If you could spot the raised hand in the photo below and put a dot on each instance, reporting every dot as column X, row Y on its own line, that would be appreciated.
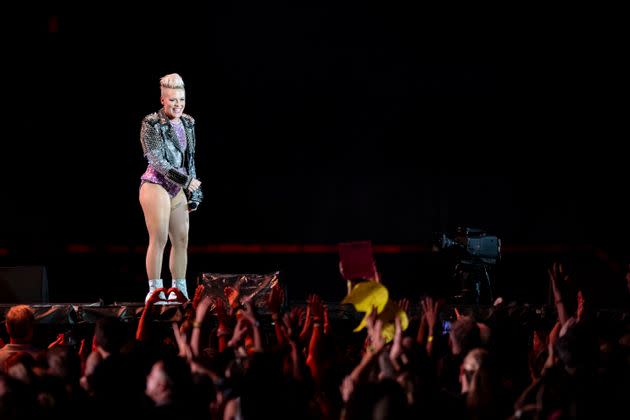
column 275, row 299
column 558, row 278
column 288, row 326
column 309, row 308
column 199, row 293
column 458, row 315
column 239, row 333
column 248, row 313
column 396, row 349
column 316, row 308
column 232, row 296
column 580, row 305
column 182, row 344
column 297, row 315
column 430, row 310
column 178, row 293
column 202, row 308
column 376, row 338
column 347, row 388
column 404, row 305
column 155, row 296
column 377, row 275
column 306, row 326
column 375, row 331
column 220, row 311
column 370, row 321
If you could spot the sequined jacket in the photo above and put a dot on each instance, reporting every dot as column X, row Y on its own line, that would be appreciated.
column 162, row 150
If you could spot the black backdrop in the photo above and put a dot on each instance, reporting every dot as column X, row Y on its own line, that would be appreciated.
column 318, row 122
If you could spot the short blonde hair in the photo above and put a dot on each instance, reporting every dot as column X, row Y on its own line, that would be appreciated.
column 171, row 81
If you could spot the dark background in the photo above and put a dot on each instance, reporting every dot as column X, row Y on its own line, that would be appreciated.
column 317, row 122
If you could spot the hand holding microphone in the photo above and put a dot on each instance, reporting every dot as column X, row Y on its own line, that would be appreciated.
column 194, row 185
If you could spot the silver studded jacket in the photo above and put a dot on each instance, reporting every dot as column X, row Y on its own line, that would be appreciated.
column 165, row 155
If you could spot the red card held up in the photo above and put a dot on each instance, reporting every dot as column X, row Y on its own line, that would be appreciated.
column 357, row 260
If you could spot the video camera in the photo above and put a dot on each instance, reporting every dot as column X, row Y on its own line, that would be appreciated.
column 473, row 245
column 473, row 255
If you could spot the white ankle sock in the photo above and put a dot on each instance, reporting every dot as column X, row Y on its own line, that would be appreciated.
column 181, row 285
column 155, row 284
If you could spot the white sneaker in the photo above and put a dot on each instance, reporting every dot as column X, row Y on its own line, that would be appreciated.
column 153, row 285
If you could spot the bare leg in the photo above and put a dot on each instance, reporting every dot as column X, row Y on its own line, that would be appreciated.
column 178, row 232
column 156, row 205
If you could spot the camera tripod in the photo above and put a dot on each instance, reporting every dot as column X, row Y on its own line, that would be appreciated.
column 475, row 281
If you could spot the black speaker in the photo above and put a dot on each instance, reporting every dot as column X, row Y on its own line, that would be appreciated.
column 25, row 284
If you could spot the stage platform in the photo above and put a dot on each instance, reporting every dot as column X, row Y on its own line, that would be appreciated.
column 68, row 314
column 88, row 313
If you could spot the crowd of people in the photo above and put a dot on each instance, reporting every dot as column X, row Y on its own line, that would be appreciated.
column 226, row 359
